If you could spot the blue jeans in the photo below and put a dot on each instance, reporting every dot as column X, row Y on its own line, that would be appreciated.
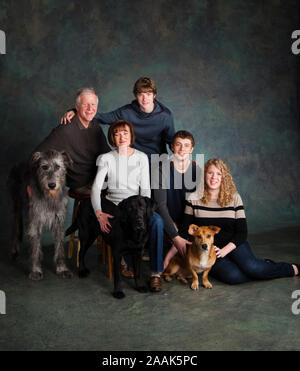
column 242, row 266
column 156, row 243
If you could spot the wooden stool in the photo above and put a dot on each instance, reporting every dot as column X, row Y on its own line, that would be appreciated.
column 106, row 247
column 103, row 246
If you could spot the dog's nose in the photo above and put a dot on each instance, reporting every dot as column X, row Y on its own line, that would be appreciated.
column 204, row 246
column 51, row 185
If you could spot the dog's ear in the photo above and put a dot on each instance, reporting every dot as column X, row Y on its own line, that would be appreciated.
column 67, row 159
column 214, row 229
column 34, row 159
column 193, row 228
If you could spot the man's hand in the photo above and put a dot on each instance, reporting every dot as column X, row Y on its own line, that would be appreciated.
column 67, row 117
column 180, row 244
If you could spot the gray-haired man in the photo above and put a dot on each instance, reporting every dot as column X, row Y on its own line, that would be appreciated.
column 83, row 139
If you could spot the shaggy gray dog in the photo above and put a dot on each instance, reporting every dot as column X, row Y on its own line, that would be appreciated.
column 38, row 188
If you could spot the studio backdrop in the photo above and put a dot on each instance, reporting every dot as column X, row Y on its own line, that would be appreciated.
column 225, row 69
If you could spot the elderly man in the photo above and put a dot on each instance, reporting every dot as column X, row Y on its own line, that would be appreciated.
column 83, row 139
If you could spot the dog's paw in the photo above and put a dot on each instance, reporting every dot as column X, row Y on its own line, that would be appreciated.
column 118, row 294
column 207, row 285
column 167, row 278
column 195, row 285
column 142, row 289
column 83, row 273
column 36, row 276
column 182, row 279
column 65, row 274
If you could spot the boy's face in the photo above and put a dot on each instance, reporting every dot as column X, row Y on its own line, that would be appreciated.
column 182, row 148
column 146, row 101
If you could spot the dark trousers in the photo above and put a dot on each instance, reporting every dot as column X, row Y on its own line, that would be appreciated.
column 115, row 235
column 242, row 266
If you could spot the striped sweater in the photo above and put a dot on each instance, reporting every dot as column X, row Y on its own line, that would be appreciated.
column 231, row 219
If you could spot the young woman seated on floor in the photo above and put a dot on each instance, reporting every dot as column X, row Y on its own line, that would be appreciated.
column 222, row 206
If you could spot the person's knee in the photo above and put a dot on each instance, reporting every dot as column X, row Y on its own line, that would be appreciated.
column 234, row 278
column 255, row 270
column 157, row 222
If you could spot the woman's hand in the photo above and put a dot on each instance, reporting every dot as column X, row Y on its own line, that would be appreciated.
column 221, row 253
column 67, row 117
column 103, row 221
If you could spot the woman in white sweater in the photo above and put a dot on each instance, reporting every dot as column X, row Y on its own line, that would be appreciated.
column 123, row 172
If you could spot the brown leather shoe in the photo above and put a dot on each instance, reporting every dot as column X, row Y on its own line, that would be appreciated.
column 125, row 272
column 155, row 284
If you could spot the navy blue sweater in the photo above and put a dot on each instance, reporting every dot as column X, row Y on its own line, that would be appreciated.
column 153, row 130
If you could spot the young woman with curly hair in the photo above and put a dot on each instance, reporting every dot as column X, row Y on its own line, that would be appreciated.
column 222, row 206
column 227, row 187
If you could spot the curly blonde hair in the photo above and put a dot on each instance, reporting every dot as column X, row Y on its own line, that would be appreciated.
column 227, row 189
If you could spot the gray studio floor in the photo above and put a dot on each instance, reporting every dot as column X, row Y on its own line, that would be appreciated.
column 81, row 314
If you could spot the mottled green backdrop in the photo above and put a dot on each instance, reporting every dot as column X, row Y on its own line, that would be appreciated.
column 224, row 68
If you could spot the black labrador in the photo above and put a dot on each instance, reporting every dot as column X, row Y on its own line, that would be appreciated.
column 128, row 234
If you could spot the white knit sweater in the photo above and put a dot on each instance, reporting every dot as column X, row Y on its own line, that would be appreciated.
column 126, row 176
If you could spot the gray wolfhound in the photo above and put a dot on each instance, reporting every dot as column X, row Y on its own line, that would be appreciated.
column 38, row 188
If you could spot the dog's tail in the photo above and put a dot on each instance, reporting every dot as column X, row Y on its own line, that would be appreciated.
column 72, row 228
column 15, row 189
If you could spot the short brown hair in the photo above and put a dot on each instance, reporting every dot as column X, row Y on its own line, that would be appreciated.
column 115, row 126
column 183, row 134
column 144, row 84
